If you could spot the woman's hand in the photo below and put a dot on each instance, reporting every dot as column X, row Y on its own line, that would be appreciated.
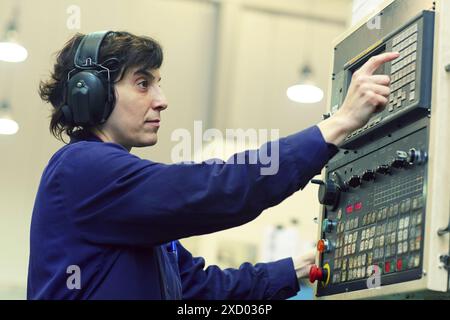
column 367, row 94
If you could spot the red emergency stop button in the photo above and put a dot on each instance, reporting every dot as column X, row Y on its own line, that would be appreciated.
column 317, row 274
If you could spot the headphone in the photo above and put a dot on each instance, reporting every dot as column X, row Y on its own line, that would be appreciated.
column 88, row 95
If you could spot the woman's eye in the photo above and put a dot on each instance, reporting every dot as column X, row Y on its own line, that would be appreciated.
column 143, row 84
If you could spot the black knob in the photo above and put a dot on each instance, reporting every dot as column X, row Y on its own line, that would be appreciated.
column 354, row 181
column 339, row 182
column 417, row 157
column 400, row 160
column 328, row 225
column 384, row 169
column 368, row 175
column 328, row 193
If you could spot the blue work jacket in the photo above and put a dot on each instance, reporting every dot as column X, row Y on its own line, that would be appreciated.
column 105, row 223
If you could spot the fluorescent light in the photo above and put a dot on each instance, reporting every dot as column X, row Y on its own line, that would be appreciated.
column 12, row 52
column 8, row 126
column 305, row 93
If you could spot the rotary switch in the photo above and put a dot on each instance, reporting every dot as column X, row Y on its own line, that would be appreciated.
column 417, row 156
column 400, row 160
column 368, row 175
column 328, row 225
column 384, row 169
column 354, row 181
column 329, row 192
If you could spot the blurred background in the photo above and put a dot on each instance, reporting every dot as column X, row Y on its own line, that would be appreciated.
column 228, row 63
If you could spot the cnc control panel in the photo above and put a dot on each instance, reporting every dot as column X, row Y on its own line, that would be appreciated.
column 375, row 190
column 410, row 74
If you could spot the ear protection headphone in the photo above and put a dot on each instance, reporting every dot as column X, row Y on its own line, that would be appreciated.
column 88, row 96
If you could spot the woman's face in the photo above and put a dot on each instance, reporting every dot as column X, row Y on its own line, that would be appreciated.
column 136, row 117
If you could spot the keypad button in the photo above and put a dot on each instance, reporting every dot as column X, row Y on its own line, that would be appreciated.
column 418, row 243
column 419, row 218
column 418, row 231
column 412, row 232
column 402, row 209
column 407, row 205
column 388, row 251
column 416, row 261
column 412, row 245
column 395, row 209
column 405, row 246
column 376, row 254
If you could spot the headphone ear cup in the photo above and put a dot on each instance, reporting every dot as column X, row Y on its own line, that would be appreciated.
column 68, row 117
column 87, row 97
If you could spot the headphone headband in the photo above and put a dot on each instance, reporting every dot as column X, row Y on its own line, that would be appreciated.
column 88, row 50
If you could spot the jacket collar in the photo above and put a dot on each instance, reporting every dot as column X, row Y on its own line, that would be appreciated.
column 84, row 135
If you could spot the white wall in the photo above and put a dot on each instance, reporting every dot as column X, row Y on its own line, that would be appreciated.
column 261, row 54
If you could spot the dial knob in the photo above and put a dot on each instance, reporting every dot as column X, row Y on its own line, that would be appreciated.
column 328, row 192
column 354, row 181
column 328, row 225
column 417, row 156
column 384, row 169
column 317, row 274
column 368, row 175
column 324, row 245
column 400, row 160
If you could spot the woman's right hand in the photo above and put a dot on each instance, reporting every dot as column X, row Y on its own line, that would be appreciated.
column 367, row 94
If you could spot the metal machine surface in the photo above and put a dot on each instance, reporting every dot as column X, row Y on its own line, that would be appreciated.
column 386, row 194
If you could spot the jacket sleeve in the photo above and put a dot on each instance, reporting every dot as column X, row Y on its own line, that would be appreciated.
column 263, row 281
column 114, row 197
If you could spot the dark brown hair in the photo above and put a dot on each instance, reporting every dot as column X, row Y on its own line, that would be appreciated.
column 130, row 51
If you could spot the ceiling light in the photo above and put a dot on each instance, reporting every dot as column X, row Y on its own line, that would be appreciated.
column 12, row 52
column 8, row 126
column 305, row 92
column 10, row 49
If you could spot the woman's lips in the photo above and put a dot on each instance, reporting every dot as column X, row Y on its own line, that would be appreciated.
column 154, row 123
